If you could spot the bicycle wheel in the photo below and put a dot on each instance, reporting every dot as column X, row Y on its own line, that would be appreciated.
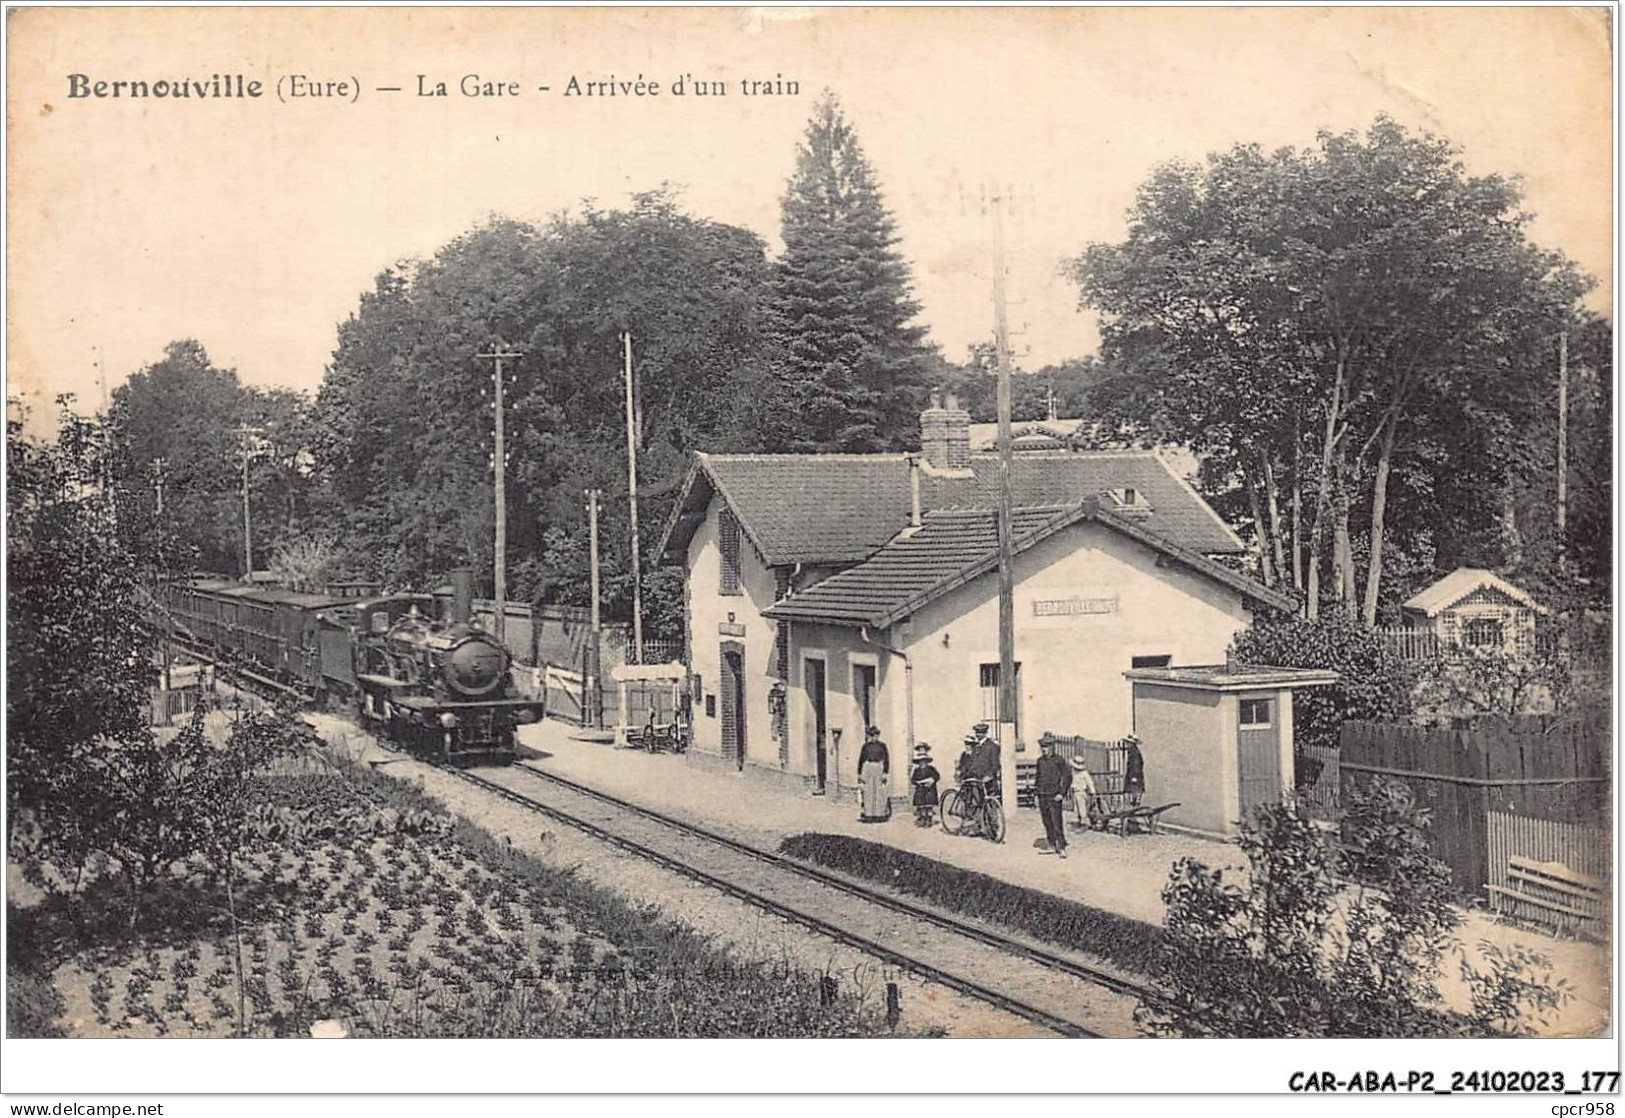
column 953, row 817
column 992, row 821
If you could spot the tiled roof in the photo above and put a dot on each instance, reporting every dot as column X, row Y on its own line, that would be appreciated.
column 954, row 546
column 1461, row 582
column 842, row 508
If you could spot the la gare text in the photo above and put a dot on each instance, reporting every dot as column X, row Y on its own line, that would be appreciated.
column 307, row 87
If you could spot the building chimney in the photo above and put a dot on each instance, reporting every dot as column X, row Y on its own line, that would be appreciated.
column 462, row 594
column 914, row 519
column 945, row 434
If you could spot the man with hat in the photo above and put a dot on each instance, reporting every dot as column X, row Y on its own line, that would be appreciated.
column 1133, row 771
column 923, row 777
column 1054, row 782
column 984, row 763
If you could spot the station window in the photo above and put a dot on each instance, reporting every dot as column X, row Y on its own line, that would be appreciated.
column 1255, row 714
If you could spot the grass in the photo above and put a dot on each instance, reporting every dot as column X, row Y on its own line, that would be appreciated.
column 377, row 909
column 1130, row 944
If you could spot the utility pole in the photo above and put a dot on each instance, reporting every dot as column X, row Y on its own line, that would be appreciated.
column 593, row 714
column 1562, row 451
column 1008, row 691
column 246, row 433
column 500, row 353
column 632, row 432
column 163, row 571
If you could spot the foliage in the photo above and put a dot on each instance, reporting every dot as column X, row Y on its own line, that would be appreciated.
column 78, row 664
column 975, row 384
column 1475, row 681
column 33, row 1007
column 1373, row 683
column 306, row 561
column 849, row 371
column 367, row 904
column 1294, row 952
column 404, row 414
column 1129, row 943
column 197, row 420
column 1350, row 328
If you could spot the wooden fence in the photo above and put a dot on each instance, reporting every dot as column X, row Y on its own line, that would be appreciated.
column 1319, row 782
column 1534, row 766
column 1107, row 762
column 1583, row 849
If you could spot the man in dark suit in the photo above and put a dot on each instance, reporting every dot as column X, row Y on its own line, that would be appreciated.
column 1054, row 782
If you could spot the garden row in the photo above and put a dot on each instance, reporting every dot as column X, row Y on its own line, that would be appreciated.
column 360, row 906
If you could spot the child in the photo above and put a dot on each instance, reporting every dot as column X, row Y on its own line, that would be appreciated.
column 924, row 776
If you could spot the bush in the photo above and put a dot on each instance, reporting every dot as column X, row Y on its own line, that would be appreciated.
column 1375, row 684
column 1131, row 944
column 33, row 1007
column 1296, row 952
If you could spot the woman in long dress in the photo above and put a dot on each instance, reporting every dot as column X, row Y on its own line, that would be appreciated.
column 874, row 773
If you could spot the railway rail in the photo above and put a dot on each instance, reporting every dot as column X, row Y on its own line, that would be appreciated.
column 1119, row 983
column 830, row 904
column 1008, row 973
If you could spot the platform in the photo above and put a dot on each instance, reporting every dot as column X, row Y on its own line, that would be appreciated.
column 1121, row 875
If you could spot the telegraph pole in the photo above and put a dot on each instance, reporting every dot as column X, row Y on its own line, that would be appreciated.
column 247, row 435
column 593, row 714
column 632, row 493
column 1562, row 450
column 1007, row 606
column 158, row 487
column 500, row 353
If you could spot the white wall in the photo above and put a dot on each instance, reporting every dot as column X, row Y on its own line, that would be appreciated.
column 1071, row 665
column 707, row 609
column 841, row 648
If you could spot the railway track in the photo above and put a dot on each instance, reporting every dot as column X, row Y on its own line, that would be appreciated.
column 1059, row 993
column 959, row 925
column 848, row 911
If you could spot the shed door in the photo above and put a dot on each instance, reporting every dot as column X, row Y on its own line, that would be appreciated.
column 1258, row 766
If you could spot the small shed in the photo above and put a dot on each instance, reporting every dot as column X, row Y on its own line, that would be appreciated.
column 1474, row 608
column 1217, row 739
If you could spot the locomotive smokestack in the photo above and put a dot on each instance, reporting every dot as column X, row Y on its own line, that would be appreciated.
column 462, row 594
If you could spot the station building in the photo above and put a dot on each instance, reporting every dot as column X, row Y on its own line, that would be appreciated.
column 830, row 592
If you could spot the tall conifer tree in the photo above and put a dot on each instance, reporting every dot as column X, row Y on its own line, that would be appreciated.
column 850, row 369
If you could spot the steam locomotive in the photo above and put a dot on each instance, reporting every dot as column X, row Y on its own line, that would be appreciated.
column 427, row 676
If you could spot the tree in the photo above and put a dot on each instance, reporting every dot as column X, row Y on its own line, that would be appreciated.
column 1373, row 683
column 1292, row 951
column 404, row 413
column 850, row 369
column 78, row 660
column 1336, row 317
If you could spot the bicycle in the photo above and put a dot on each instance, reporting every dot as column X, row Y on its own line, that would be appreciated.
column 969, row 809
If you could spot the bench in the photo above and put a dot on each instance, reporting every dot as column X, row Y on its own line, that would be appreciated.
column 1551, row 894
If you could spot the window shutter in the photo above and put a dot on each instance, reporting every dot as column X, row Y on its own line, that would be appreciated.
column 728, row 539
column 781, row 639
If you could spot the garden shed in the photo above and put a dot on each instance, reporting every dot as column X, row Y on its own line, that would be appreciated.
column 1217, row 739
column 1473, row 608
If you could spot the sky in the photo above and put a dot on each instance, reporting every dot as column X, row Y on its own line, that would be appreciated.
column 254, row 225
